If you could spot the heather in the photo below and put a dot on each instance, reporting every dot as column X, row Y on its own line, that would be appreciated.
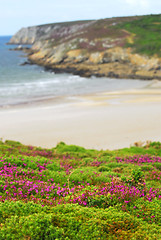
column 69, row 192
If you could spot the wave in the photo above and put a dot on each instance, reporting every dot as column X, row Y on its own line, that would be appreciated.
column 20, row 84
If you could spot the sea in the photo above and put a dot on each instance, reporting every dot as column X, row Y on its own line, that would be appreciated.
column 30, row 83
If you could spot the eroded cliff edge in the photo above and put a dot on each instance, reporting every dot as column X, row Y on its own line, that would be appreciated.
column 126, row 47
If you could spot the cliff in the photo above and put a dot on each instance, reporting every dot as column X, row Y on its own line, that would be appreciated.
column 127, row 47
column 30, row 35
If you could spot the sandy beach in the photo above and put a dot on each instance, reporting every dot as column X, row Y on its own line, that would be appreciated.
column 106, row 120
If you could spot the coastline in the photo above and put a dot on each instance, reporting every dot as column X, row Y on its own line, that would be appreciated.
column 105, row 120
column 116, row 70
column 101, row 48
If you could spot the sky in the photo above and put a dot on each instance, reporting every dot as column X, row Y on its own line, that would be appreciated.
column 15, row 14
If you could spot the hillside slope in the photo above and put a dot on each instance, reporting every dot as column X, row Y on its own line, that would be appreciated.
column 127, row 47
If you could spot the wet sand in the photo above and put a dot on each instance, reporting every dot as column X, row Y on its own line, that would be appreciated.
column 107, row 120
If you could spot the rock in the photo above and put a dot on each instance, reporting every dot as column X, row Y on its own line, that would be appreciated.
column 26, row 63
column 30, row 35
column 76, row 56
column 96, row 58
column 20, row 48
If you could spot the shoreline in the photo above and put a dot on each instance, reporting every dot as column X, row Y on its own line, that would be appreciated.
column 106, row 120
column 153, row 88
column 115, row 70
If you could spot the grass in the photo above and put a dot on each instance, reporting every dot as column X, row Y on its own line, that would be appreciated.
column 147, row 34
column 69, row 192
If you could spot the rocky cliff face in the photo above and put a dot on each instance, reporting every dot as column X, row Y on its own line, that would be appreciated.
column 115, row 62
column 25, row 36
column 30, row 35
column 89, row 48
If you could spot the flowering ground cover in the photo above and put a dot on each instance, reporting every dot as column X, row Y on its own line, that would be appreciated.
column 68, row 192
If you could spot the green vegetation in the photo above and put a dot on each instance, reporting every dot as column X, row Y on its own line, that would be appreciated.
column 69, row 192
column 141, row 33
column 145, row 34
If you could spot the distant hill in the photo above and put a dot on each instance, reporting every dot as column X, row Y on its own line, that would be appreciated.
column 110, row 43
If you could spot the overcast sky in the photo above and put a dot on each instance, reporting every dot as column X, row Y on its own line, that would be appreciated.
column 15, row 14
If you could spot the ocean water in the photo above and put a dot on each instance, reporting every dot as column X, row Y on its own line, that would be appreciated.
column 29, row 83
